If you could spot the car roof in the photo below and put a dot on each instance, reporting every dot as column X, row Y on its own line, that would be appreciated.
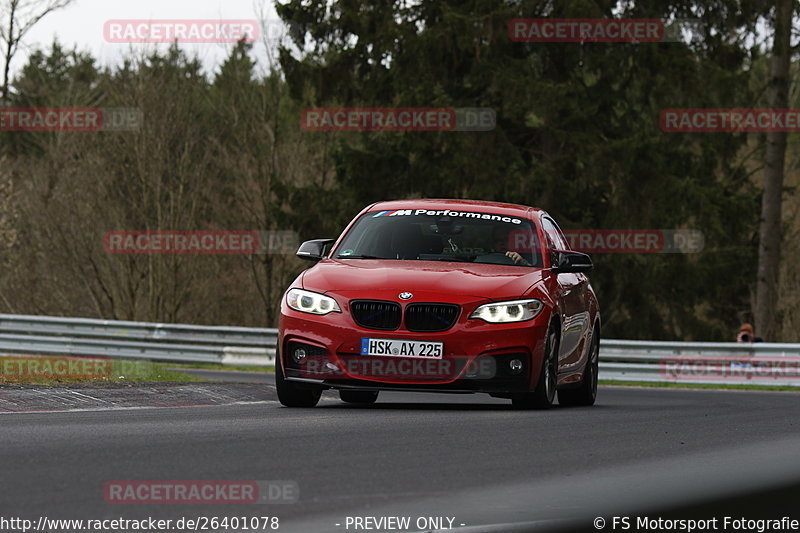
column 498, row 208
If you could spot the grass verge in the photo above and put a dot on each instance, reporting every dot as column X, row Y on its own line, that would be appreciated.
column 217, row 366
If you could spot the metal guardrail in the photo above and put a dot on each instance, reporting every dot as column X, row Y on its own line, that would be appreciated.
column 111, row 329
column 620, row 360
column 30, row 334
column 730, row 363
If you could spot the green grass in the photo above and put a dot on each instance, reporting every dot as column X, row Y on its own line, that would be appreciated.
column 720, row 386
column 217, row 366
column 126, row 370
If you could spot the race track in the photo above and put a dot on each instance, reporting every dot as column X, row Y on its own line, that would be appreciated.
column 469, row 457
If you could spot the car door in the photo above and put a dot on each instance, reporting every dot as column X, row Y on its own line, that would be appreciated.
column 571, row 298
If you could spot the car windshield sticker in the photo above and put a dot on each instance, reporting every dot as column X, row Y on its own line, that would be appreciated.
column 448, row 213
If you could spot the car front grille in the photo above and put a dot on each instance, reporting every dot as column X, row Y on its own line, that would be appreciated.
column 431, row 317
column 376, row 314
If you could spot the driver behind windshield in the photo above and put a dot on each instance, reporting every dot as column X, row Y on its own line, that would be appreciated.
column 500, row 238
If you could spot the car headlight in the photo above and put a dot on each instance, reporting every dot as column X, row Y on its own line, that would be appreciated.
column 311, row 302
column 514, row 311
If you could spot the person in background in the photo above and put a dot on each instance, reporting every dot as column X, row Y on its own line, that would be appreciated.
column 746, row 334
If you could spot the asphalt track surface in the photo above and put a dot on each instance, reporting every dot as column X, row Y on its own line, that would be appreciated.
column 467, row 457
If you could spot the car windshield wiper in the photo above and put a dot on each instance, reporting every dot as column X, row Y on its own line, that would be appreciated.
column 454, row 258
column 358, row 256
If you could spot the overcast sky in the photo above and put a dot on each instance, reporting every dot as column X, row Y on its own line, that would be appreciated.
column 82, row 22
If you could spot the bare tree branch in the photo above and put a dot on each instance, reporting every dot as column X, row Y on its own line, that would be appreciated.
column 20, row 16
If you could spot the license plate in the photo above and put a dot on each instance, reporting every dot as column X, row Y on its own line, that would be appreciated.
column 402, row 348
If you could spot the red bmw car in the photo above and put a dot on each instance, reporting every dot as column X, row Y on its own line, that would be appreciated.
column 441, row 296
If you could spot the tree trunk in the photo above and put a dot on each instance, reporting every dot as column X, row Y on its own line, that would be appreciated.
column 769, row 242
column 9, row 53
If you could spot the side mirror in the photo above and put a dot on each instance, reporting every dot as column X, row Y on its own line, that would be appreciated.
column 313, row 250
column 567, row 262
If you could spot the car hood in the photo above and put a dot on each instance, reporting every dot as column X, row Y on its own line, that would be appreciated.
column 496, row 282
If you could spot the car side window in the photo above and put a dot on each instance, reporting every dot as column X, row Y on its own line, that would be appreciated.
column 554, row 234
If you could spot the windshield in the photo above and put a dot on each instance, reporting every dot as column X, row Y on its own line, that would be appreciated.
column 424, row 235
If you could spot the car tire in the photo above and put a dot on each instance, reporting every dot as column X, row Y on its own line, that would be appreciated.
column 586, row 394
column 545, row 393
column 293, row 395
column 363, row 397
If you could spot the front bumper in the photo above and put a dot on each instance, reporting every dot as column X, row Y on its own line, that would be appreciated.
column 477, row 355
